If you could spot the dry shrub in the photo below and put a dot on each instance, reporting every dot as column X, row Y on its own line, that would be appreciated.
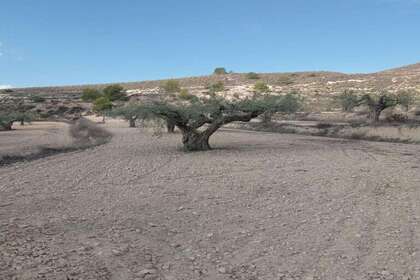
column 87, row 133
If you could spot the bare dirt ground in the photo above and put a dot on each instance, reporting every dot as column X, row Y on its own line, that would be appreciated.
column 259, row 206
column 25, row 140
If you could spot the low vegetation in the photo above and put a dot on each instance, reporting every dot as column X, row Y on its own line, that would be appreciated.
column 261, row 87
column 216, row 87
column 90, row 94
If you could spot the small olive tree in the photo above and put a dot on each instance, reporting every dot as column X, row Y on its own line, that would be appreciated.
column 376, row 103
column 101, row 106
column 128, row 112
column 200, row 119
column 8, row 118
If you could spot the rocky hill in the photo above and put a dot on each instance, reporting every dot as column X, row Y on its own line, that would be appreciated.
column 318, row 88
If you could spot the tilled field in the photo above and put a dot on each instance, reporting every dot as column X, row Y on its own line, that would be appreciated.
column 258, row 206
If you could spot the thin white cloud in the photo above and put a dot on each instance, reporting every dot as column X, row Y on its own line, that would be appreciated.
column 5, row 86
column 1, row 54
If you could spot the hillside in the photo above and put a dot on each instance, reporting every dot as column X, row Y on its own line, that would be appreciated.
column 318, row 88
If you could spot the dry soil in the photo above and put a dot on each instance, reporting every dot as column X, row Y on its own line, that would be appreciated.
column 258, row 206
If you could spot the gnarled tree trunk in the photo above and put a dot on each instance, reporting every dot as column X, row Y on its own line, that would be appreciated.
column 132, row 122
column 267, row 117
column 6, row 126
column 170, row 125
column 195, row 141
column 378, row 107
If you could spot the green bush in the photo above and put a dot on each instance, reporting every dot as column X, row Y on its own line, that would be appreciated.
column 220, row 71
column 115, row 93
column 102, row 104
column 37, row 99
column 405, row 99
column 252, row 76
column 261, row 87
column 185, row 95
column 216, row 87
column 90, row 94
column 171, row 86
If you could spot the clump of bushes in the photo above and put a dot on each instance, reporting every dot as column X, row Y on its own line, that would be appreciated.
column 102, row 100
column 115, row 93
column 252, row 76
column 220, row 71
column 111, row 92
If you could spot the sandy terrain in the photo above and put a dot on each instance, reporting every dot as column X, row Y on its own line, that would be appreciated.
column 260, row 206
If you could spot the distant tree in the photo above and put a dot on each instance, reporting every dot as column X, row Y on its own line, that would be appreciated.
column 115, row 93
column 198, row 120
column 6, row 121
column 252, row 76
column 291, row 103
column 101, row 106
column 406, row 99
column 10, row 116
column 171, row 86
column 90, row 94
column 128, row 112
column 261, row 87
column 348, row 100
column 220, row 71
column 378, row 103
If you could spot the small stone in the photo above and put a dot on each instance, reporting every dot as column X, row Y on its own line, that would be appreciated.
column 222, row 270
column 145, row 272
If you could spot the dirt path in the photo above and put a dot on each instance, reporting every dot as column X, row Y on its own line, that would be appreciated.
column 262, row 206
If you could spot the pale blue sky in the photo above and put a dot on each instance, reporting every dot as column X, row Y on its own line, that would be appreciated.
column 58, row 42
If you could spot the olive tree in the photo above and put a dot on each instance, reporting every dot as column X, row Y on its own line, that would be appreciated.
column 200, row 119
column 173, row 87
column 378, row 103
column 128, row 112
column 101, row 106
column 8, row 118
